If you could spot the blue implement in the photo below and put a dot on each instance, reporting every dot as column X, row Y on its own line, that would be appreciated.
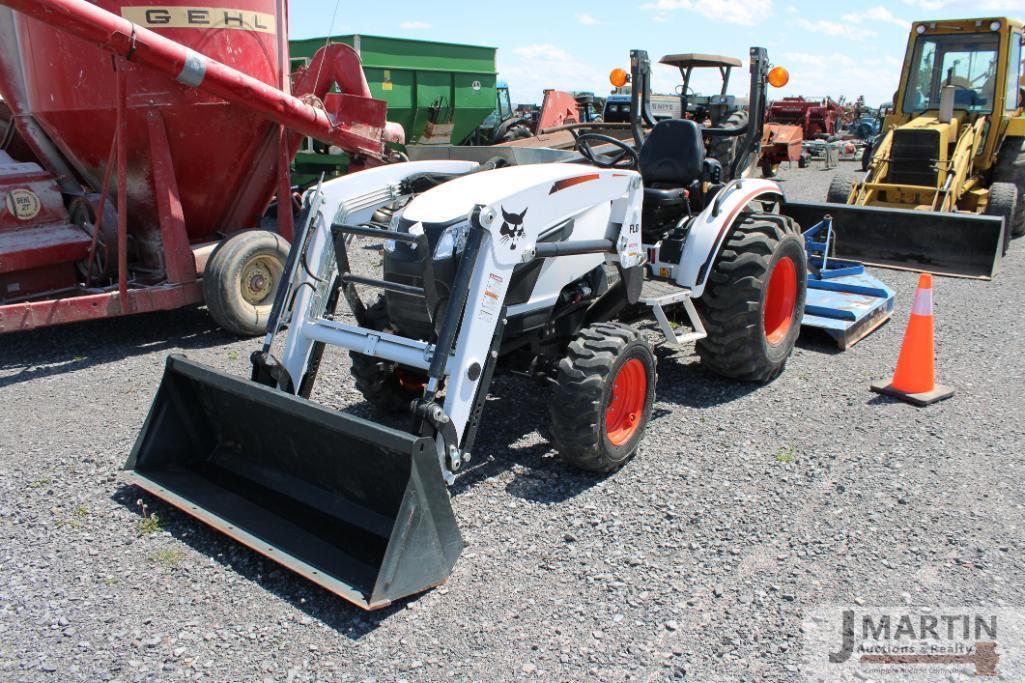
column 843, row 300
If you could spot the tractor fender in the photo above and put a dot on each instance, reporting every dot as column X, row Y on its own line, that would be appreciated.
column 709, row 229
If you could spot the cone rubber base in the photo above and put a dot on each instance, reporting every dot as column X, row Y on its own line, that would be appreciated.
column 938, row 393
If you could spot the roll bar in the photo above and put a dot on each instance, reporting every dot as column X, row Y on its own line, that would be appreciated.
column 641, row 116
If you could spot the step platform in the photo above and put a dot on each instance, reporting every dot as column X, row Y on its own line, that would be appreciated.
column 659, row 293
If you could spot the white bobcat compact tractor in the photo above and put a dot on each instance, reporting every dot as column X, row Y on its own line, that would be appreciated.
column 528, row 267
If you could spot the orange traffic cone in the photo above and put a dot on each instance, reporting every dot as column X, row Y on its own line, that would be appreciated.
column 915, row 378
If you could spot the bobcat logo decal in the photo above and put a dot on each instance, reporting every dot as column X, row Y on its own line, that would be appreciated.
column 512, row 227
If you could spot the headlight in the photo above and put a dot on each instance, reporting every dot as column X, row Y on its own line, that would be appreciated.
column 452, row 240
column 393, row 225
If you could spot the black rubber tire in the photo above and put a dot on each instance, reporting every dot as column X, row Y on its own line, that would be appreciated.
column 222, row 280
column 866, row 157
column 83, row 211
column 840, row 188
column 1003, row 201
column 584, row 390
column 767, row 168
column 732, row 306
column 1010, row 168
column 376, row 378
column 804, row 161
column 723, row 149
column 519, row 132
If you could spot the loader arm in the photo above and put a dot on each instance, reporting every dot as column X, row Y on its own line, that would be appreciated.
column 862, row 193
column 545, row 196
column 959, row 167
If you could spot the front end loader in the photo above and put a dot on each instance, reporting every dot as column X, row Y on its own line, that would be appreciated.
column 943, row 190
column 536, row 269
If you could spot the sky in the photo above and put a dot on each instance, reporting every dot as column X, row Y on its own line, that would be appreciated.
column 830, row 48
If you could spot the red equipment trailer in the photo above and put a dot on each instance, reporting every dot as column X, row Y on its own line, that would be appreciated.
column 818, row 118
column 158, row 137
column 781, row 142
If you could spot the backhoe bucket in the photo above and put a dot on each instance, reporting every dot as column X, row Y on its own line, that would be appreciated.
column 359, row 508
column 956, row 244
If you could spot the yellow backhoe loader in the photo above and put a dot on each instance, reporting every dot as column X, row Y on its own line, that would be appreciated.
column 943, row 191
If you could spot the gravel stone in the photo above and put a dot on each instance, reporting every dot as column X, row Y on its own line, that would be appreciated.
column 566, row 575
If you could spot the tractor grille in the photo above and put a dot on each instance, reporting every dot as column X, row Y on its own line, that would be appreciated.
column 913, row 158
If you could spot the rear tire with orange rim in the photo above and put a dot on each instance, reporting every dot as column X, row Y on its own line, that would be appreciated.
column 754, row 299
column 602, row 402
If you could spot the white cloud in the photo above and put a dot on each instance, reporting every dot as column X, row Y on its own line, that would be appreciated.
column 746, row 13
column 836, row 29
column 545, row 51
column 818, row 75
column 808, row 59
column 586, row 19
column 660, row 18
column 414, row 25
column 530, row 69
column 976, row 6
column 877, row 13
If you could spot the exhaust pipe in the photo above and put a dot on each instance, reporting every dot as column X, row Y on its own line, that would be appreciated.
column 356, row 507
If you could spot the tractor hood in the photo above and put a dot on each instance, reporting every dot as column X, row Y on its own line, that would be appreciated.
column 931, row 120
column 457, row 198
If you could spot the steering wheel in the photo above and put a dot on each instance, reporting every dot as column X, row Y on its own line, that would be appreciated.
column 626, row 158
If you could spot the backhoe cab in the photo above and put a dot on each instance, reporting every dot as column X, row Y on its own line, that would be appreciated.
column 959, row 92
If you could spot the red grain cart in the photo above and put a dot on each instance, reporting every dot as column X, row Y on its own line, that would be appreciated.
column 141, row 148
column 818, row 118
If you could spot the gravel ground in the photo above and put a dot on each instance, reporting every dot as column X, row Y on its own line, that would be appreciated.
column 745, row 507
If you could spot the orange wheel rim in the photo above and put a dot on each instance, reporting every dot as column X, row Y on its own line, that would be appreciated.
column 626, row 406
column 780, row 301
column 409, row 381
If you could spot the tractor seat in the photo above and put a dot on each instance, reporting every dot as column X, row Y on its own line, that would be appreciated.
column 672, row 155
column 672, row 161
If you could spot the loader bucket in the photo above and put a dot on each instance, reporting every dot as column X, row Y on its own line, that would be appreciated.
column 359, row 508
column 956, row 244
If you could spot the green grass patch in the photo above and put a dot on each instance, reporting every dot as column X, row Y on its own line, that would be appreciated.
column 787, row 455
column 168, row 557
column 148, row 525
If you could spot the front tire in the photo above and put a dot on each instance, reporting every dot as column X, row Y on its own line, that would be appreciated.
column 840, row 188
column 754, row 299
column 1011, row 169
column 1004, row 202
column 387, row 386
column 241, row 279
column 602, row 402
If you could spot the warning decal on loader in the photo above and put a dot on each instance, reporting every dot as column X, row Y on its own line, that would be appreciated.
column 200, row 17
column 491, row 302
column 23, row 204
